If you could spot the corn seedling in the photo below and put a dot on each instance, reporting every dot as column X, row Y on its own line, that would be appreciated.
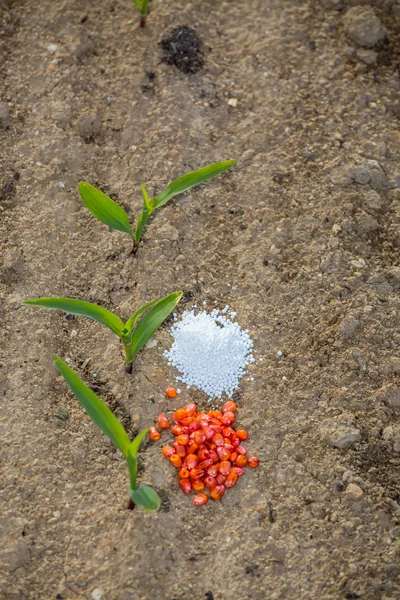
column 142, row 495
column 143, row 6
column 134, row 334
column 110, row 213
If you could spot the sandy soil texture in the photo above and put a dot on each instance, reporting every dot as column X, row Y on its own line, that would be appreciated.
column 301, row 239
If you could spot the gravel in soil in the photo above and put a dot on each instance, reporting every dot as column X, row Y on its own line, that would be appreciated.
column 301, row 239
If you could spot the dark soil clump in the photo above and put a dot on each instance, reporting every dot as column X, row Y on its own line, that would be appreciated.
column 183, row 49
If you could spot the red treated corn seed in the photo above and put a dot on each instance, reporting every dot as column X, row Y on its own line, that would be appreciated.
column 223, row 453
column 224, row 467
column 242, row 434
column 229, row 406
column 238, row 471
column 185, row 485
column 215, row 414
column 200, row 499
column 194, row 426
column 241, row 449
column 199, row 437
column 228, row 432
column 230, row 415
column 180, row 450
column 196, row 473
column 163, row 421
column 209, row 432
column 214, row 456
column 215, row 422
column 179, row 415
column 231, row 479
column 168, row 451
column 212, row 471
column 191, row 461
column 217, row 492
column 176, row 430
column 203, row 453
column 241, row 461
column 190, row 409
column 171, row 392
column 227, row 444
column 176, row 461
column 253, row 462
column 233, row 457
column 154, row 434
column 204, row 464
column 210, row 482
column 183, row 439
column 198, row 485
column 235, row 442
column 226, row 420
column 187, row 421
column 220, row 478
column 218, row 439
column 192, row 448
column 184, row 473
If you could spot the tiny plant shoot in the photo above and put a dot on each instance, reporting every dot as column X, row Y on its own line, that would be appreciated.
column 110, row 213
column 134, row 334
column 143, row 6
column 141, row 495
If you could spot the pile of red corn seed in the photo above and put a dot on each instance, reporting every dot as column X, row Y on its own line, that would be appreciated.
column 207, row 450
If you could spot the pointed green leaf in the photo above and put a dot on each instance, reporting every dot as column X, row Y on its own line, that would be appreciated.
column 96, row 409
column 135, row 443
column 79, row 307
column 145, row 497
column 180, row 185
column 152, row 321
column 146, row 201
column 130, row 324
column 103, row 208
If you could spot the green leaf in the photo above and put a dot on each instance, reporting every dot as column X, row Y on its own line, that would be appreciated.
column 135, row 443
column 145, row 497
column 133, row 468
column 130, row 324
column 142, row 220
column 146, row 201
column 178, row 186
column 79, row 307
column 103, row 208
column 96, row 409
column 152, row 321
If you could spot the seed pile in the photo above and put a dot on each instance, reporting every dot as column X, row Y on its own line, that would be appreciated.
column 207, row 450
column 210, row 351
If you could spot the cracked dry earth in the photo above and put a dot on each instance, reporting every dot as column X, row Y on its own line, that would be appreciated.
column 301, row 238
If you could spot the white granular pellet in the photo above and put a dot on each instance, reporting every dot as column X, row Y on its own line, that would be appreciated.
column 210, row 352
column 279, row 353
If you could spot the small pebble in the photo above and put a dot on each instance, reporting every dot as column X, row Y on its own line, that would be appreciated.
column 52, row 48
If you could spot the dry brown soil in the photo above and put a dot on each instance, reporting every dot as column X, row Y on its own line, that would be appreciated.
column 301, row 239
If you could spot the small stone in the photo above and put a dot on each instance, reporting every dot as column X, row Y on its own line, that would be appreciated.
column 52, row 48
column 340, row 433
column 395, row 362
column 353, row 492
column 233, row 102
column 151, row 343
column 349, row 326
column 390, row 395
column 89, row 126
column 363, row 27
column 368, row 57
column 97, row 594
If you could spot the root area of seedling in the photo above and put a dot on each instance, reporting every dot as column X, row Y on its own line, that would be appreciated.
column 183, row 49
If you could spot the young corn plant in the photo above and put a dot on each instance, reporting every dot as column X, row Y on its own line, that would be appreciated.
column 134, row 334
column 110, row 213
column 141, row 495
column 143, row 6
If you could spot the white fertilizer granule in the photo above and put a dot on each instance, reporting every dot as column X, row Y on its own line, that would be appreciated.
column 210, row 351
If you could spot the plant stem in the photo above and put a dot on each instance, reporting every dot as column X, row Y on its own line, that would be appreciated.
column 131, row 504
column 128, row 368
column 142, row 21
column 135, row 243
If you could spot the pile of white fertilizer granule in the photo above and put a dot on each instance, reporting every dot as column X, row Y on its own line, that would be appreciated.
column 210, row 351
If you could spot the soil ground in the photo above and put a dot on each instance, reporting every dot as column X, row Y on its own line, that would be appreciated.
column 301, row 238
